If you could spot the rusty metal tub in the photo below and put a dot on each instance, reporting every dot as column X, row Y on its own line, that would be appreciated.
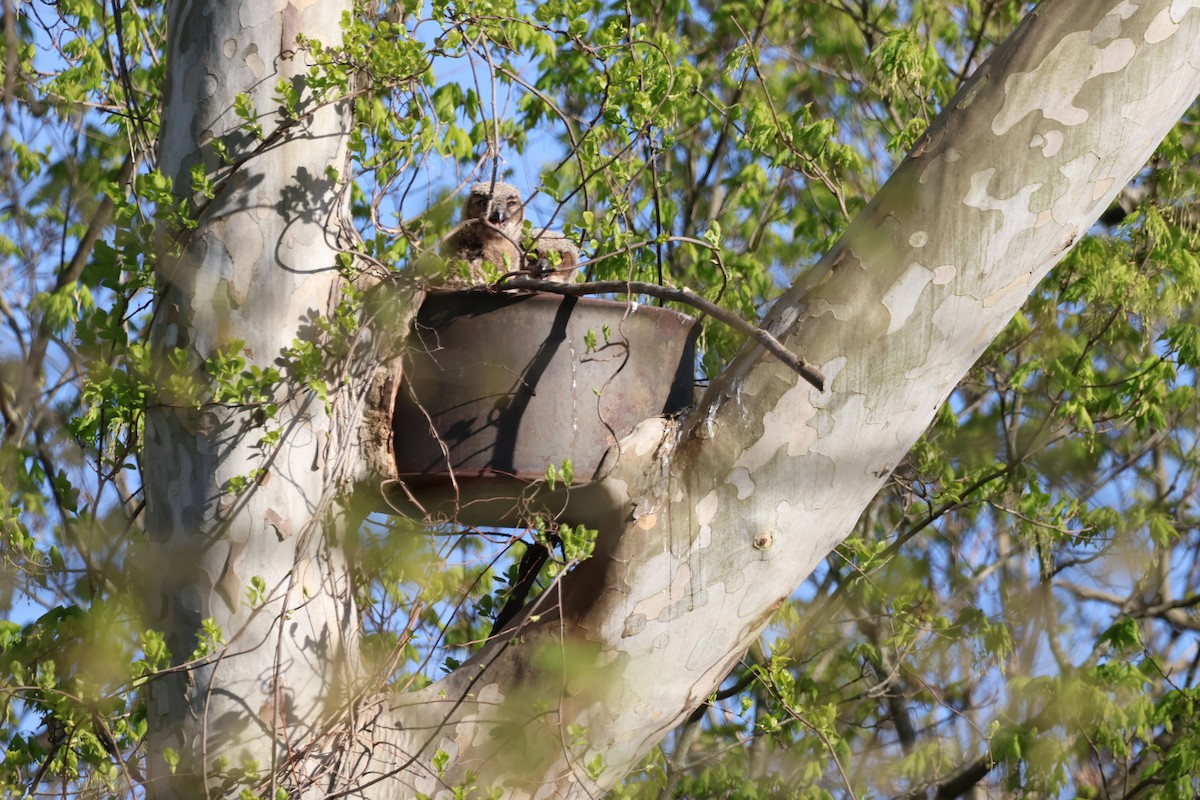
column 499, row 386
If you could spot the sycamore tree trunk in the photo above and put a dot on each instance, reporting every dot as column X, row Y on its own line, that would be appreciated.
column 707, row 524
column 238, row 524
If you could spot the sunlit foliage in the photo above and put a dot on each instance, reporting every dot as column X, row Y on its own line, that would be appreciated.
column 1015, row 611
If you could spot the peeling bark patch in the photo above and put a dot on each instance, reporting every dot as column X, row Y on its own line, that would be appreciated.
column 973, row 90
column 1049, row 142
column 701, row 654
column 831, row 369
column 254, row 61
column 234, row 297
column 229, row 585
column 1166, row 23
column 901, row 299
column 272, row 717
column 1150, row 106
column 950, row 313
column 1110, row 26
column 918, row 239
column 779, row 321
column 290, row 29
column 1078, row 172
column 944, row 274
column 739, row 478
column 1015, row 214
column 646, row 521
column 840, row 311
column 786, row 425
column 229, row 49
column 280, row 524
column 853, row 414
column 716, row 641
column 1018, row 288
column 706, row 510
column 1025, row 92
column 244, row 247
column 662, row 606
column 253, row 14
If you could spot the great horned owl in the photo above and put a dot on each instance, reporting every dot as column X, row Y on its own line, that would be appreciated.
column 552, row 256
column 490, row 230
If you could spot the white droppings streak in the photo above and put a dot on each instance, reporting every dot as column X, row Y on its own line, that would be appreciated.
column 706, row 511
column 710, row 421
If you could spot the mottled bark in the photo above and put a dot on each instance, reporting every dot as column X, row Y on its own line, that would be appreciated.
column 258, row 269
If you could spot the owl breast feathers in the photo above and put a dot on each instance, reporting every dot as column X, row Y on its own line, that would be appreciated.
column 490, row 231
column 487, row 242
column 552, row 256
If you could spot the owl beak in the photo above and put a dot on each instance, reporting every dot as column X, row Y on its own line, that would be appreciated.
column 497, row 215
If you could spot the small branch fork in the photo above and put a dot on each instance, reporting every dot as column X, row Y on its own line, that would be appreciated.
column 770, row 343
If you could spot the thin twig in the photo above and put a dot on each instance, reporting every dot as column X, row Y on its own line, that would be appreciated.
column 769, row 342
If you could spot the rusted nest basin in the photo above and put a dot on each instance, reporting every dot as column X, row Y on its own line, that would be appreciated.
column 499, row 386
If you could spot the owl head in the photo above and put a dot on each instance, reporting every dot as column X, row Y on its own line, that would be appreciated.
column 498, row 204
column 552, row 256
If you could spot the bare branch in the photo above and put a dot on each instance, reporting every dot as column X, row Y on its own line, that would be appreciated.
column 772, row 345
